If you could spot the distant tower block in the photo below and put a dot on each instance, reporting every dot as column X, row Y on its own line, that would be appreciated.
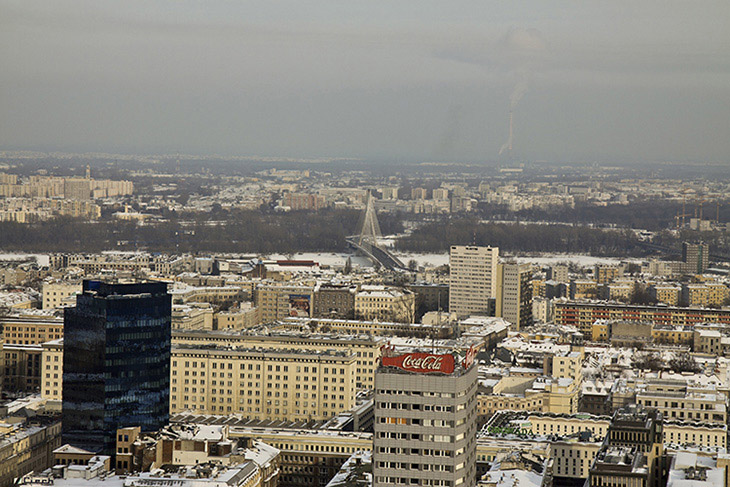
column 88, row 171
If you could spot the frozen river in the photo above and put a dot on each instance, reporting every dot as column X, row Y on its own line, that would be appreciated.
column 435, row 260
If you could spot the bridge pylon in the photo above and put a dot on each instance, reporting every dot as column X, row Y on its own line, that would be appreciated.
column 369, row 228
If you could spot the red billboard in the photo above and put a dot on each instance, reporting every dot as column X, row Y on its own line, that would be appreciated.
column 422, row 363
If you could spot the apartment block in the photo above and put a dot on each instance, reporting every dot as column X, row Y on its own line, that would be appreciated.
column 262, row 384
column 381, row 303
column 583, row 315
column 365, row 348
column 665, row 294
column 56, row 294
column 473, row 279
column 277, row 302
column 31, row 329
column 514, row 293
column 51, row 380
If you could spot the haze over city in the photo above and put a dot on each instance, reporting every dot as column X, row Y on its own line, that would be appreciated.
column 603, row 81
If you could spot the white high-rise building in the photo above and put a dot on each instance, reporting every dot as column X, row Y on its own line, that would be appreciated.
column 473, row 280
column 425, row 419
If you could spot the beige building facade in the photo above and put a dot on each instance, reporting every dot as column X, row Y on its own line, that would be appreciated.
column 288, row 385
column 473, row 279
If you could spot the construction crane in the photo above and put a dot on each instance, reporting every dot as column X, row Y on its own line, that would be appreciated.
column 684, row 210
column 700, row 202
column 717, row 216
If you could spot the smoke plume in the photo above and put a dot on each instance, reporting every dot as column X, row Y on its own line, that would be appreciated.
column 524, row 48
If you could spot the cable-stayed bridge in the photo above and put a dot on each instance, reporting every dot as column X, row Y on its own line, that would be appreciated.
column 367, row 241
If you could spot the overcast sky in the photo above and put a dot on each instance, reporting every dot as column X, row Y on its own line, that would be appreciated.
column 401, row 80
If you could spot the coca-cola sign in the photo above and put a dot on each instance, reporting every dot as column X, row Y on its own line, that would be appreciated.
column 421, row 363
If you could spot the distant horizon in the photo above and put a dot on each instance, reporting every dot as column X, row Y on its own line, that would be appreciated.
column 328, row 159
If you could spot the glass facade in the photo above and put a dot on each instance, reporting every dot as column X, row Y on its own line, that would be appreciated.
column 116, row 365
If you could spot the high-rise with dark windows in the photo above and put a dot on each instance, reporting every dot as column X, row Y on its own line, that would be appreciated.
column 116, row 365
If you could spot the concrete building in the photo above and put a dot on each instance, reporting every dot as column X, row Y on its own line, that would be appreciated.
column 56, row 294
column 606, row 273
column 696, row 257
column 558, row 273
column 356, row 327
column 334, row 301
column 190, row 445
column 619, row 466
column 389, row 192
column 708, row 339
column 193, row 316
column 695, row 433
column 709, row 294
column 28, row 329
column 365, row 347
column 632, row 452
column 27, row 445
column 430, row 297
column 77, row 189
column 22, row 371
column 583, row 289
column 278, row 301
column 381, row 303
column 514, row 294
column 308, row 456
column 425, row 421
column 441, row 194
column 242, row 317
column 689, row 468
column 51, row 380
column 583, row 315
column 304, row 201
column 666, row 294
column 618, row 291
column 473, row 279
column 275, row 384
column 542, row 310
column 677, row 401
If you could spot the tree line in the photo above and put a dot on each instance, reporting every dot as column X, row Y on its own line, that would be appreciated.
column 515, row 237
column 239, row 231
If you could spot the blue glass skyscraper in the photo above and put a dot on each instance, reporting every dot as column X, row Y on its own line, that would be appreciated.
column 116, row 364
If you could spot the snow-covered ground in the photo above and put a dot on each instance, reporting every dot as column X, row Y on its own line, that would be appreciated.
column 436, row 260
column 581, row 260
column 42, row 259
column 325, row 258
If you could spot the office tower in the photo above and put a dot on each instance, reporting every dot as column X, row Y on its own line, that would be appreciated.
column 425, row 419
column 473, row 279
column 696, row 257
column 514, row 293
column 116, row 362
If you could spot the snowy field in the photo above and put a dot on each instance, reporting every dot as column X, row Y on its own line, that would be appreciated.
column 436, row 260
column 40, row 258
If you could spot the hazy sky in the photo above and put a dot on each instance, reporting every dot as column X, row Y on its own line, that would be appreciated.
column 401, row 80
